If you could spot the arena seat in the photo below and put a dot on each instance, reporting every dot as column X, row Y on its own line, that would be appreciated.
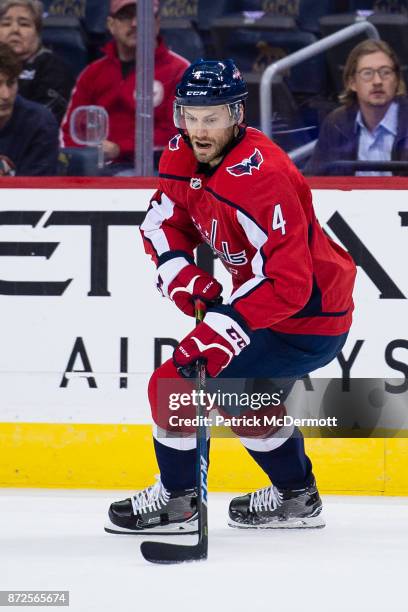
column 382, row 6
column 182, row 37
column 65, row 36
column 92, row 15
column 96, row 13
column 67, row 8
column 306, row 13
column 256, row 43
column 311, row 11
column 288, row 125
column 207, row 12
column 78, row 161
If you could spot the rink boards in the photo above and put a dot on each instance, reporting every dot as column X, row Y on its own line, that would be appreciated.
column 83, row 328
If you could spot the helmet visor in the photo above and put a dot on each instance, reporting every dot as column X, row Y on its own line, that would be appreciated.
column 193, row 118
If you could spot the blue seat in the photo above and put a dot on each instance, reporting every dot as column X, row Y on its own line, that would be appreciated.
column 361, row 5
column 284, row 9
column 178, row 26
column 207, row 11
column 179, row 9
column 252, row 49
column 288, row 125
column 65, row 36
column 92, row 15
column 78, row 161
column 65, row 8
column 310, row 11
column 182, row 37
column 96, row 13
column 381, row 6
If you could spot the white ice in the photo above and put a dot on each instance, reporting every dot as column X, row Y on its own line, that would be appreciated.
column 55, row 540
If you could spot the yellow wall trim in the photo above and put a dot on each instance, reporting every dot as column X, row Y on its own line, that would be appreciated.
column 121, row 456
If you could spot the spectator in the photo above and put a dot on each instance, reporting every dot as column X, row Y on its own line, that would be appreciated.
column 371, row 124
column 110, row 82
column 28, row 131
column 45, row 77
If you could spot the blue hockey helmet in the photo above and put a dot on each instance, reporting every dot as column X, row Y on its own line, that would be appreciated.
column 208, row 83
column 211, row 83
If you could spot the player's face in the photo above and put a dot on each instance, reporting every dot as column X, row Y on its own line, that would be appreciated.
column 8, row 93
column 375, row 81
column 17, row 29
column 206, row 128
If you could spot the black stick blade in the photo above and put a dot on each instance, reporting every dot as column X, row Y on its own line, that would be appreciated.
column 161, row 552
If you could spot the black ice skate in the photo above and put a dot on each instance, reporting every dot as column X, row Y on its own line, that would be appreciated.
column 155, row 510
column 273, row 508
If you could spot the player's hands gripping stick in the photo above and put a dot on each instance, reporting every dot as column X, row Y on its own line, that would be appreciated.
column 192, row 283
column 216, row 340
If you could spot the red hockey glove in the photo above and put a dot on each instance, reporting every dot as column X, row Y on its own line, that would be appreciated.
column 216, row 340
column 183, row 283
column 190, row 284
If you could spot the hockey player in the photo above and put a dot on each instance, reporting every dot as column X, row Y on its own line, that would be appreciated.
column 289, row 313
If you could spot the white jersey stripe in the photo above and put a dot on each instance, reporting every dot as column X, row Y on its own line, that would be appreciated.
column 257, row 238
column 168, row 272
column 264, row 445
column 222, row 324
column 246, row 288
column 151, row 226
column 177, row 441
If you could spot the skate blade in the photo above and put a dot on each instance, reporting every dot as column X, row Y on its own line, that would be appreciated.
column 311, row 522
column 187, row 528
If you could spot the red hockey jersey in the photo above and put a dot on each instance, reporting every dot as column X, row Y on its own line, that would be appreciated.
column 256, row 213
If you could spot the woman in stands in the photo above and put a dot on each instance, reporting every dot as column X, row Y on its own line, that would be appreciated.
column 45, row 77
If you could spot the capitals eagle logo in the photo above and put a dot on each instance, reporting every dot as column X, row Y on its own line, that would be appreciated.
column 174, row 144
column 247, row 165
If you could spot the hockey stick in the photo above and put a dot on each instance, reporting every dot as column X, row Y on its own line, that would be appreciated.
column 161, row 552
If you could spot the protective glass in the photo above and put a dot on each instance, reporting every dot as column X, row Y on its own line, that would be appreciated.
column 367, row 74
column 206, row 117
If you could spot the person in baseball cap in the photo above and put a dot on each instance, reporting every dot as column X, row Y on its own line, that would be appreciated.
column 117, row 5
column 122, row 24
column 111, row 82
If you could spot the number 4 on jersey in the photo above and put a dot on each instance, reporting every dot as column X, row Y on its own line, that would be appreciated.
column 278, row 222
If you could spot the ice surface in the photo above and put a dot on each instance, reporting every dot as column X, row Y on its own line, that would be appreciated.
column 55, row 540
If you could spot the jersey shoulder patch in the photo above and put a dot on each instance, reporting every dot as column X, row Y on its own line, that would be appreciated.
column 247, row 165
column 174, row 143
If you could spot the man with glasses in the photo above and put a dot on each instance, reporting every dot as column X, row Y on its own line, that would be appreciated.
column 110, row 82
column 371, row 125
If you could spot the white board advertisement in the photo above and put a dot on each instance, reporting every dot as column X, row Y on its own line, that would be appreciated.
column 82, row 323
